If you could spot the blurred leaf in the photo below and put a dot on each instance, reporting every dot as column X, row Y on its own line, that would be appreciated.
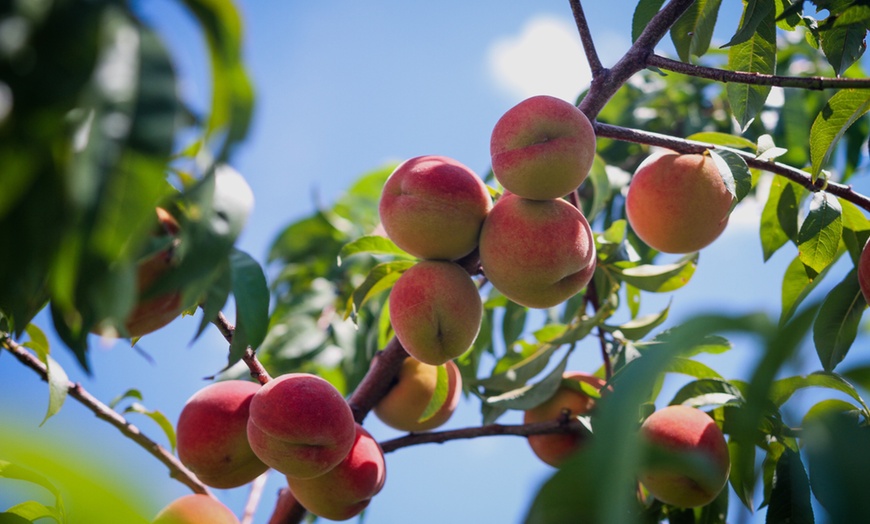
column 379, row 279
column 643, row 13
column 640, row 327
column 513, row 322
column 856, row 229
column 742, row 477
column 708, row 391
column 691, row 33
column 779, row 218
column 693, row 368
column 828, row 407
column 783, row 389
column 657, row 279
column 836, row 325
column 130, row 393
column 439, row 396
column 520, row 372
column 841, row 111
column 753, row 50
column 372, row 244
column 723, row 139
column 12, row 471
column 734, row 172
column 796, row 285
column 790, row 497
column 820, row 234
column 33, row 510
column 58, row 381
column 601, row 190
column 529, row 396
column 252, row 304
column 157, row 417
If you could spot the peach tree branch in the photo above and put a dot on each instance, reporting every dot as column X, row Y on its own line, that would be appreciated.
column 249, row 357
column 176, row 469
column 586, row 39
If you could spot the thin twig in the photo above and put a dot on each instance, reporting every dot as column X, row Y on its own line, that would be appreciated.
column 816, row 83
column 586, row 39
column 254, row 497
column 177, row 470
column 249, row 357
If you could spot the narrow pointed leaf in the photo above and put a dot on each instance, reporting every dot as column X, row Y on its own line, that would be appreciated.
column 755, row 54
column 841, row 111
column 836, row 325
column 439, row 396
column 643, row 13
column 819, row 235
column 658, row 279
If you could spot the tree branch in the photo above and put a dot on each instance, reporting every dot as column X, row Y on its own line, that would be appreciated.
column 254, row 497
column 680, row 145
column 384, row 368
column 249, row 357
column 586, row 38
column 816, row 83
column 177, row 470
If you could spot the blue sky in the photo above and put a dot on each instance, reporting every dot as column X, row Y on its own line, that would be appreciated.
column 343, row 87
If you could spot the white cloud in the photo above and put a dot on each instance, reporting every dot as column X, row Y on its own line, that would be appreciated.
column 545, row 57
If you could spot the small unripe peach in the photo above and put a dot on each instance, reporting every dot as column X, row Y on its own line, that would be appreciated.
column 435, row 310
column 555, row 448
column 344, row 491
column 195, row 509
column 537, row 253
column 300, row 425
column 212, row 435
column 542, row 148
column 678, row 203
column 433, row 207
column 686, row 429
column 406, row 401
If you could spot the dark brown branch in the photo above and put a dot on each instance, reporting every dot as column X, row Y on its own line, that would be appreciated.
column 522, row 430
column 249, row 357
column 586, row 38
column 104, row 412
column 721, row 75
column 384, row 368
column 688, row 146
column 287, row 510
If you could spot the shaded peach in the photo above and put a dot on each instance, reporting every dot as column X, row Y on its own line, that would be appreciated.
column 686, row 429
column 406, row 401
column 542, row 148
column 195, row 509
column 537, row 253
column 433, row 207
column 678, row 203
column 300, row 425
column 555, row 448
column 347, row 489
column 435, row 310
column 212, row 435
column 864, row 272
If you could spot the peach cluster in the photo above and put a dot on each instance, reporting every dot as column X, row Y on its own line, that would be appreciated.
column 298, row 424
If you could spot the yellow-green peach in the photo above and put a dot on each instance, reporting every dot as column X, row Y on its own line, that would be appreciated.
column 195, row 509
column 212, row 438
column 344, row 491
column 684, row 429
column 538, row 253
column 542, row 148
column 678, row 203
column 300, row 425
column 435, row 310
column 433, row 207
column 407, row 400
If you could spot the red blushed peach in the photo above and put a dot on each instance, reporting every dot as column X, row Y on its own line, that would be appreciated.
column 212, row 435
column 433, row 207
column 686, row 429
column 300, row 425
column 435, row 310
column 406, row 401
column 537, row 253
column 347, row 489
column 864, row 272
column 195, row 509
column 678, row 203
column 554, row 449
column 542, row 148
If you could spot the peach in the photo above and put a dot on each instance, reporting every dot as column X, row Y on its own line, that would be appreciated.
column 685, row 429
column 406, row 401
column 678, row 203
column 300, row 425
column 542, row 148
column 433, row 207
column 864, row 272
column 435, row 310
column 347, row 489
column 195, row 509
column 212, row 435
column 537, row 253
column 553, row 449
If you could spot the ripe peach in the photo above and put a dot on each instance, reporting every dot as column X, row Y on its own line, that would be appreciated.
column 864, row 272
column 195, row 509
column 344, row 491
column 686, row 429
column 678, row 203
column 537, row 253
column 542, row 148
column 433, row 207
column 435, row 310
column 555, row 448
column 402, row 407
column 212, row 435
column 300, row 425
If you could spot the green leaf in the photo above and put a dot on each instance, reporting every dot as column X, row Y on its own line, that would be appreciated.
column 157, row 417
column 513, row 322
column 836, row 325
column 842, row 110
column 658, row 279
column 783, row 389
column 643, row 13
column 796, row 285
column 439, row 396
column 827, row 407
column 130, row 393
column 33, row 510
column 12, row 471
column 691, row 33
column 790, row 496
column 742, row 477
column 58, row 381
column 819, row 235
column 693, row 368
column 734, row 172
column 601, row 190
column 843, row 45
column 372, row 244
column 779, row 218
column 252, row 304
column 379, row 279
column 639, row 327
column 755, row 54
column 709, row 391
column 722, row 139
column 529, row 396
column 518, row 373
